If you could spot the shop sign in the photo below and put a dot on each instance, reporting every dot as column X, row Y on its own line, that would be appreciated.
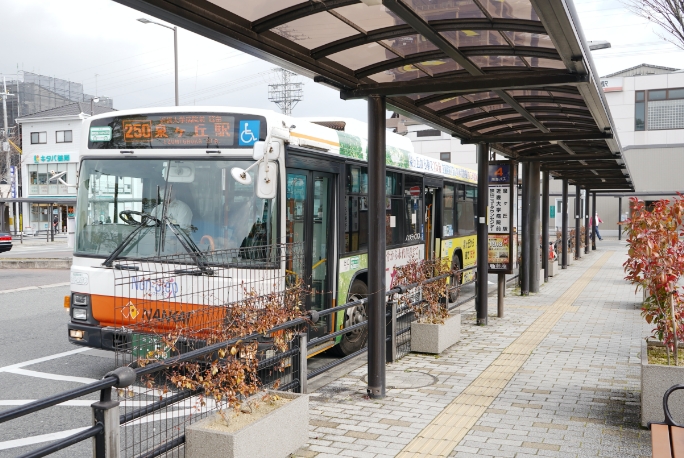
column 51, row 158
column 501, row 220
column 13, row 182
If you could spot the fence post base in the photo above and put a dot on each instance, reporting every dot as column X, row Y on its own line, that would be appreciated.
column 392, row 332
column 107, row 443
column 303, row 368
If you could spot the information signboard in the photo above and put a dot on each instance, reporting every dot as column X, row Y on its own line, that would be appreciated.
column 501, row 217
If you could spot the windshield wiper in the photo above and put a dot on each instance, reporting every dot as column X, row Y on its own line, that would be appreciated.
column 190, row 246
column 124, row 243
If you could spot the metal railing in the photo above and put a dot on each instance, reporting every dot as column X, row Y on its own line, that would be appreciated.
column 108, row 422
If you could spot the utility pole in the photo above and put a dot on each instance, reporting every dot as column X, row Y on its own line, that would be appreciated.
column 5, row 136
column 285, row 93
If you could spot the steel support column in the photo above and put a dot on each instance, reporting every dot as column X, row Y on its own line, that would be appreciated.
column 578, row 209
column 524, row 270
column 534, row 226
column 376, row 247
column 482, row 231
column 619, row 218
column 564, row 228
column 586, row 221
column 545, row 224
column 593, row 207
column 592, row 210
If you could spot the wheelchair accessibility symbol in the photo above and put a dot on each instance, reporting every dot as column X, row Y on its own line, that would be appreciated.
column 249, row 132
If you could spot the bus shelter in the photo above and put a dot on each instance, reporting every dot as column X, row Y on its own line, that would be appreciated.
column 515, row 76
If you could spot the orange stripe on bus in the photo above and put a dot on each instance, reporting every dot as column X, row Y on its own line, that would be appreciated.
column 316, row 139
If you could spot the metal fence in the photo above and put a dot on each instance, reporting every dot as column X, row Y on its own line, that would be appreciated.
column 140, row 413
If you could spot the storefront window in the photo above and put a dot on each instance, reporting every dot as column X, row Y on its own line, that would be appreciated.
column 39, row 179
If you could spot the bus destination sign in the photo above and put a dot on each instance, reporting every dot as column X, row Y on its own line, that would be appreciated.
column 160, row 131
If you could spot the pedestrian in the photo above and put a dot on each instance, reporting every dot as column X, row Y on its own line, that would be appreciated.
column 55, row 223
column 597, row 221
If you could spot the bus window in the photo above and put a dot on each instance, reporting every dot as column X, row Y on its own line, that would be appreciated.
column 449, row 207
column 466, row 209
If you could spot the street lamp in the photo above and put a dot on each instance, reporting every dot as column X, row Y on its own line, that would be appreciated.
column 598, row 44
column 93, row 99
column 175, row 48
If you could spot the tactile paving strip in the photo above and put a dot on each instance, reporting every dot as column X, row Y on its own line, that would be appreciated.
column 447, row 429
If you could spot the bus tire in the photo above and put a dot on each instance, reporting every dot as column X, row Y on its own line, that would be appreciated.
column 355, row 340
column 455, row 280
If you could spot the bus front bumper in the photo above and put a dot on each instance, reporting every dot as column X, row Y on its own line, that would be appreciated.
column 87, row 335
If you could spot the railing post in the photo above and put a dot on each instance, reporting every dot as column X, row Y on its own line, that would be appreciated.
column 303, row 361
column 106, row 412
column 392, row 332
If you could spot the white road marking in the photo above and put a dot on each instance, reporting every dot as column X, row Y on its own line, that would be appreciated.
column 27, row 288
column 41, row 438
column 43, row 359
column 63, row 378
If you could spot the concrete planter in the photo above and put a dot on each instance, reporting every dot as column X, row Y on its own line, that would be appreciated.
column 277, row 434
column 435, row 338
column 553, row 268
column 655, row 380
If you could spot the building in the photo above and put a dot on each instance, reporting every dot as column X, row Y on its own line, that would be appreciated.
column 51, row 140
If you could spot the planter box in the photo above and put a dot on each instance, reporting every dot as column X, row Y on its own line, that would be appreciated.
column 655, row 380
column 277, row 434
column 553, row 268
column 435, row 338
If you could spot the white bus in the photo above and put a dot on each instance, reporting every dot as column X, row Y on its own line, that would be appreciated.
column 186, row 164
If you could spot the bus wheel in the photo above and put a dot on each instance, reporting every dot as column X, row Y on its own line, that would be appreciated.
column 455, row 280
column 355, row 340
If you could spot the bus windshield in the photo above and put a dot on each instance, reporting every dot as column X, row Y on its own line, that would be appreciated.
column 197, row 197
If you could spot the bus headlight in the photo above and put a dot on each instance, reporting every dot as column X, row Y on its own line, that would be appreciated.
column 79, row 314
column 79, row 299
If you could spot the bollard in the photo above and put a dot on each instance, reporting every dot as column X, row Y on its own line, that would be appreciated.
column 392, row 332
column 106, row 412
column 500, row 301
column 303, row 360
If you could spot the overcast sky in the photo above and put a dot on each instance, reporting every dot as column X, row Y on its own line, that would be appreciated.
column 99, row 43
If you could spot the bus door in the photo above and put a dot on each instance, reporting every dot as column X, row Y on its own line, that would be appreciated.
column 310, row 222
column 433, row 218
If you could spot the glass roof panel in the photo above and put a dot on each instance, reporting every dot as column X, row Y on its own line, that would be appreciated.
column 503, row 126
column 362, row 56
column 540, row 62
column 254, row 9
column 460, row 38
column 369, row 17
column 566, row 95
column 315, row 30
column 446, row 103
column 496, row 61
column 410, row 44
column 523, row 92
column 403, row 73
column 510, row 9
column 481, row 96
column 537, row 104
column 431, row 10
column 530, row 39
column 438, row 66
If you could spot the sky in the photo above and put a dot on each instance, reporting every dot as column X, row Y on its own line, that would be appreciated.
column 100, row 44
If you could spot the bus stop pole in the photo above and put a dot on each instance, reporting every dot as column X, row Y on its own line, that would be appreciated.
column 525, row 232
column 482, row 231
column 545, row 224
column 533, row 218
column 578, row 204
column 564, row 228
column 587, row 229
column 619, row 218
column 593, row 206
column 376, row 247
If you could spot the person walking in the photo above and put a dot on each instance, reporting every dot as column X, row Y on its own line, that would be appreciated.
column 597, row 221
column 55, row 223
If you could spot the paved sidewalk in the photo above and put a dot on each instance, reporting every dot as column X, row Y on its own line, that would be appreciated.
column 557, row 376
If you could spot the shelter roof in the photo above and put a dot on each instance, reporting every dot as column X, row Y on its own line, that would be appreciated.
column 513, row 73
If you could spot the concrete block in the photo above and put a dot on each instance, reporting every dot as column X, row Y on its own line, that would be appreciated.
column 655, row 380
column 553, row 267
column 435, row 338
column 35, row 263
column 278, row 434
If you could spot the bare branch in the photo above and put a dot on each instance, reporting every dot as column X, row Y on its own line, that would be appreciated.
column 666, row 14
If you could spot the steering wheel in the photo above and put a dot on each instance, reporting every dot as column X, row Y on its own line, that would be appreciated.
column 144, row 218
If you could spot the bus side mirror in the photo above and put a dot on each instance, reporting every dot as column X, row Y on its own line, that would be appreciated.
column 267, row 180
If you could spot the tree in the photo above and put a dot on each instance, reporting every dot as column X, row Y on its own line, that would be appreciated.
column 667, row 14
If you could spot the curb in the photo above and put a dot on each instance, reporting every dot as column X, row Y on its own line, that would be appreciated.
column 35, row 263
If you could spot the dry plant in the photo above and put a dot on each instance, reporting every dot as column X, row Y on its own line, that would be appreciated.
column 667, row 14
column 428, row 298
column 229, row 377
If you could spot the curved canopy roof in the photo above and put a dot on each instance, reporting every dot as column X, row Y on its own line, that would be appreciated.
column 513, row 73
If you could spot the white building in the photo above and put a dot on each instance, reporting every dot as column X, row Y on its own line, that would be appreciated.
column 50, row 143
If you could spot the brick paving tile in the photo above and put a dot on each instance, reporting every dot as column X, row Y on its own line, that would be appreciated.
column 575, row 393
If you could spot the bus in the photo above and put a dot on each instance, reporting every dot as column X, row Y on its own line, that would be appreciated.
column 195, row 166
